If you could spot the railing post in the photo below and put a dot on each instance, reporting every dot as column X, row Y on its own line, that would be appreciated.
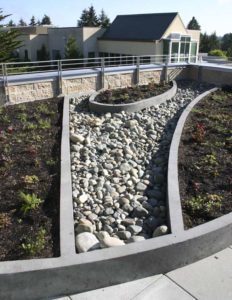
column 60, row 82
column 5, row 83
column 137, row 69
column 102, row 73
column 166, row 70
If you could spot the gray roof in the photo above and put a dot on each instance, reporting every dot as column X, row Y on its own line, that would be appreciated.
column 144, row 27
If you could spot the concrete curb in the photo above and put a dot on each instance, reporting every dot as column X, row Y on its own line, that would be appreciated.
column 131, row 107
column 175, row 211
column 74, row 273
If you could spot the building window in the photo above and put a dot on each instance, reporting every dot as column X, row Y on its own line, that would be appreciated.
column 56, row 54
column 26, row 58
column 91, row 54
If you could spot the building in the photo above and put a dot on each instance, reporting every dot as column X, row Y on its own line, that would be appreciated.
column 150, row 34
column 55, row 38
column 129, row 35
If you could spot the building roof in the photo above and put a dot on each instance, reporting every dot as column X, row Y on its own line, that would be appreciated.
column 141, row 27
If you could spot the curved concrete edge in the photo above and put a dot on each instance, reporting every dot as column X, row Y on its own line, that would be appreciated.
column 174, row 202
column 131, row 107
column 67, row 235
column 74, row 273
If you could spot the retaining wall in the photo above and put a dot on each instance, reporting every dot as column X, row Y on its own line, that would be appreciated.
column 218, row 75
column 23, row 88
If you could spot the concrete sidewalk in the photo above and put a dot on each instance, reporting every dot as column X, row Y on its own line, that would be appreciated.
column 207, row 279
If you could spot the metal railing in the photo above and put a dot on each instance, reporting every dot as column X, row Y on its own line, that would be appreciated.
column 65, row 67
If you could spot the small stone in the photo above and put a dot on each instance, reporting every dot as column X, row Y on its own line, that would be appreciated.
column 151, row 222
column 124, row 235
column 109, row 211
column 109, row 166
column 108, row 228
column 127, row 208
column 124, row 201
column 83, row 198
column 140, row 212
column 121, row 189
column 86, row 241
column 84, row 226
column 106, row 241
column 132, row 123
column 92, row 217
column 124, row 168
column 128, row 222
column 141, row 187
column 134, row 229
column 161, row 230
column 77, row 138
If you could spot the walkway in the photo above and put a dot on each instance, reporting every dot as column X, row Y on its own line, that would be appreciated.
column 207, row 279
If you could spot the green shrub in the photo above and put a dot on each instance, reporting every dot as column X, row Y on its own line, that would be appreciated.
column 30, row 201
column 217, row 52
column 208, row 204
column 33, row 247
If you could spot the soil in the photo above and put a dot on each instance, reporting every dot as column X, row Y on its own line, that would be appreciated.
column 30, row 138
column 205, row 160
column 132, row 94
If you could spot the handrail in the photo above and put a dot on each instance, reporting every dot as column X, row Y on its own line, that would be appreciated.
column 59, row 67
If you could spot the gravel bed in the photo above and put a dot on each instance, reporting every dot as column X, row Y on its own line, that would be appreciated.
column 119, row 170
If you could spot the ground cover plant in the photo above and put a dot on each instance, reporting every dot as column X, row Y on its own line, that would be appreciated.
column 132, row 94
column 30, row 136
column 205, row 160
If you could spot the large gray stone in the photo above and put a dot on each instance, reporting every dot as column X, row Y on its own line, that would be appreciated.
column 86, row 241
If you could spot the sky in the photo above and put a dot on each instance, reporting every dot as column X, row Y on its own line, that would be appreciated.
column 212, row 15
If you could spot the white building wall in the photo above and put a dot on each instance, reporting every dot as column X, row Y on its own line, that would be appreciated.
column 128, row 47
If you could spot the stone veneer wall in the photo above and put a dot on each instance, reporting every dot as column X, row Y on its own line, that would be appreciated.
column 32, row 91
column 22, row 92
column 113, row 81
column 81, row 84
column 147, row 76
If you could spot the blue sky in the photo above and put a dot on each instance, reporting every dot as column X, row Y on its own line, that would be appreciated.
column 213, row 15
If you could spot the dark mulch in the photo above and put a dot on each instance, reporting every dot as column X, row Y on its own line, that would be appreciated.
column 30, row 137
column 132, row 94
column 205, row 160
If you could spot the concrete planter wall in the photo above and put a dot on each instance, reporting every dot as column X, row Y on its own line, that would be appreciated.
column 72, row 273
column 131, row 107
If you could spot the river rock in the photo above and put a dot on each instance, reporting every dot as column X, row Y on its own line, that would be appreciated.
column 86, row 241
column 84, row 226
column 161, row 230
column 107, row 241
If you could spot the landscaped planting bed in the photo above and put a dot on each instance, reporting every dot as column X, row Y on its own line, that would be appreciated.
column 119, row 165
column 205, row 160
column 132, row 94
column 30, row 137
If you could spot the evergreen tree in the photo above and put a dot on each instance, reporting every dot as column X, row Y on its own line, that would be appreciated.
column 11, row 24
column 71, row 49
column 32, row 21
column 204, row 43
column 8, row 41
column 88, row 18
column 227, row 42
column 38, row 23
column 22, row 23
column 104, row 21
column 46, row 20
column 42, row 54
column 209, row 42
column 214, row 42
column 193, row 24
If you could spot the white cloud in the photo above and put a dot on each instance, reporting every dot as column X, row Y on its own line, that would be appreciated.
column 222, row 2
